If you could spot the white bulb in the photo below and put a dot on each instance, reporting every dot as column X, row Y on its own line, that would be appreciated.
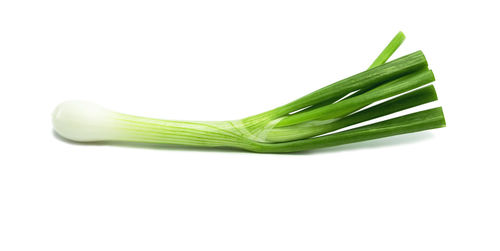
column 83, row 121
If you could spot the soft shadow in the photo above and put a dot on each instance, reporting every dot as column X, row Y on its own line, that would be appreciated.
column 377, row 143
column 383, row 142
column 149, row 145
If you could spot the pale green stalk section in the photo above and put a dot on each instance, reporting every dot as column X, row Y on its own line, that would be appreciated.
column 193, row 133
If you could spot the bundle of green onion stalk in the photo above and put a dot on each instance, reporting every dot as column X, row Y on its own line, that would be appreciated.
column 315, row 120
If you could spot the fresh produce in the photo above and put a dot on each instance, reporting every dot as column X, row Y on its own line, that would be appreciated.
column 310, row 122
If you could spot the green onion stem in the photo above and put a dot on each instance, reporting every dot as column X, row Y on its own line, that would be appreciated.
column 389, row 50
column 414, row 122
column 381, row 59
column 349, row 105
column 306, row 130
column 389, row 71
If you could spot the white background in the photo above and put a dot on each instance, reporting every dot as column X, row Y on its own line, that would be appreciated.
column 215, row 60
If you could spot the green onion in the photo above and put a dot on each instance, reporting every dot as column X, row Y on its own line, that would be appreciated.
column 307, row 123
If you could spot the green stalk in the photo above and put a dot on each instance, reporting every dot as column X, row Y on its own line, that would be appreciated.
column 412, row 99
column 349, row 105
column 415, row 122
column 381, row 59
column 389, row 71
column 384, row 56
column 389, row 50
